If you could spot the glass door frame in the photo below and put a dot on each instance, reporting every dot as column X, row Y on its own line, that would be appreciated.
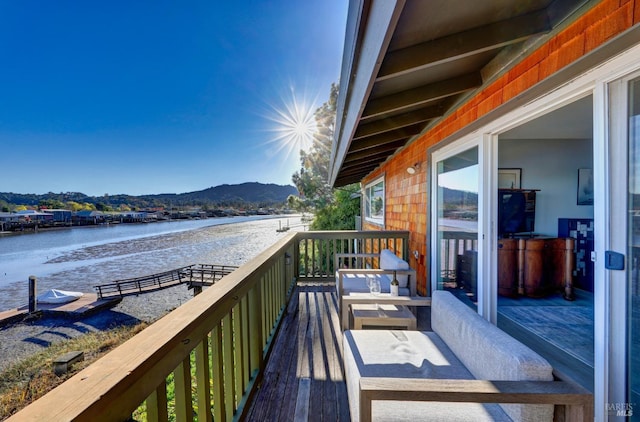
column 617, row 288
column 486, row 307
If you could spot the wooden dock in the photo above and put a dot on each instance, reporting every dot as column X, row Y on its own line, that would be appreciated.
column 85, row 305
column 195, row 276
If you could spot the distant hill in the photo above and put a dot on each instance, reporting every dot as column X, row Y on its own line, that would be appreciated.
column 244, row 194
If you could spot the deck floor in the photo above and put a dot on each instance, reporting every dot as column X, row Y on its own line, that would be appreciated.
column 304, row 380
column 304, row 374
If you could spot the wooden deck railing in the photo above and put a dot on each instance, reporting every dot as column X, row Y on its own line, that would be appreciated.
column 207, row 356
column 316, row 250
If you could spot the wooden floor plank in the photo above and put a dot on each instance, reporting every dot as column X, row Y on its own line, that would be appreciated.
column 292, row 381
column 329, row 409
column 302, row 401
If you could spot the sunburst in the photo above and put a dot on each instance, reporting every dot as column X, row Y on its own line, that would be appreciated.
column 295, row 125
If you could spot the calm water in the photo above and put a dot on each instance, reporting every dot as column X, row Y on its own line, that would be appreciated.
column 80, row 258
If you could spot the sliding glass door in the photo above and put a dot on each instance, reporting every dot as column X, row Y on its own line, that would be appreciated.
column 633, row 249
column 457, row 188
column 622, row 260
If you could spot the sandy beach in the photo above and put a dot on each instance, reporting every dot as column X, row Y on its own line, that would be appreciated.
column 21, row 339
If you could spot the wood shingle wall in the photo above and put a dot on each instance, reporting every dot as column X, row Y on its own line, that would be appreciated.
column 406, row 195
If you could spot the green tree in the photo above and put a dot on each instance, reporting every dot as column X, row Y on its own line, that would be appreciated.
column 341, row 213
column 335, row 209
column 51, row 204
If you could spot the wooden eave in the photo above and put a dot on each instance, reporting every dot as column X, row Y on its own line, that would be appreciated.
column 409, row 63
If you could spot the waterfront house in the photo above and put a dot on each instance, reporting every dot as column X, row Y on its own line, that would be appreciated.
column 8, row 220
column 449, row 110
column 60, row 216
column 87, row 217
column 35, row 216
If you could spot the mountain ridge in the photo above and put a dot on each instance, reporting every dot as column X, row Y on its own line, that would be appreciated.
column 254, row 193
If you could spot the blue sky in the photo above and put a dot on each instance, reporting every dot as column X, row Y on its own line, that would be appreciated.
column 144, row 97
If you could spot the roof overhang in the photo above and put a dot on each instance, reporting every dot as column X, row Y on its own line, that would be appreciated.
column 408, row 63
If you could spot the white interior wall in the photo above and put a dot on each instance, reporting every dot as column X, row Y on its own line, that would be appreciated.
column 550, row 165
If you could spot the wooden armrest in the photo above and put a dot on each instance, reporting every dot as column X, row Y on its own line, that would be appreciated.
column 578, row 402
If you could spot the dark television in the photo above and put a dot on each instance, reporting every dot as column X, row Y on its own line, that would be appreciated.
column 516, row 211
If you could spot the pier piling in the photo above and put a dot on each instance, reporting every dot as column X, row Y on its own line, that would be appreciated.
column 32, row 294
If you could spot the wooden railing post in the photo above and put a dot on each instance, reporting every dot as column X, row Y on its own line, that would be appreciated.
column 255, row 328
column 237, row 350
column 219, row 409
column 157, row 404
column 182, row 387
column 203, row 381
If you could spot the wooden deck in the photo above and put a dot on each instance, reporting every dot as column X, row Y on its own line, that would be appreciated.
column 304, row 379
column 304, row 375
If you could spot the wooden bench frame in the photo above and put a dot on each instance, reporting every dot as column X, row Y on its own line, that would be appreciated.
column 573, row 403
column 360, row 260
column 364, row 273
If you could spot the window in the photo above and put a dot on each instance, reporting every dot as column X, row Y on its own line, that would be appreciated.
column 374, row 202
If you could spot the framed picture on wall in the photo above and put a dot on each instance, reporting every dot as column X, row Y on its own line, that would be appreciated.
column 509, row 178
column 585, row 186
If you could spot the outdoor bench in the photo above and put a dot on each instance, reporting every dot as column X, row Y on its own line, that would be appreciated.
column 354, row 280
column 465, row 369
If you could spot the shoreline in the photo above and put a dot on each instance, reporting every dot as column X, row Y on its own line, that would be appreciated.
column 26, row 337
column 136, row 223
column 225, row 241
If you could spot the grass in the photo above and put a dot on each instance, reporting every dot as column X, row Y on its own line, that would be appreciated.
column 31, row 378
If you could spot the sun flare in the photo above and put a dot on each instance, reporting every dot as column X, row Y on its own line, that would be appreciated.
column 295, row 125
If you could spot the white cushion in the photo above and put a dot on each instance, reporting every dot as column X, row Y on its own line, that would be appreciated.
column 390, row 261
column 408, row 354
column 488, row 352
column 357, row 283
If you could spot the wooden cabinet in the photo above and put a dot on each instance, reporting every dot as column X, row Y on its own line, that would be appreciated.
column 508, row 267
column 535, row 267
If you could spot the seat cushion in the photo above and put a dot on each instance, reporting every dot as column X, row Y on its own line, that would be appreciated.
column 408, row 354
column 390, row 261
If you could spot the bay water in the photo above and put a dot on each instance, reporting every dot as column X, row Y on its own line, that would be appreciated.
column 78, row 259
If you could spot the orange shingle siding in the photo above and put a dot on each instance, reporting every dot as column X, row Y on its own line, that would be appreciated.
column 406, row 195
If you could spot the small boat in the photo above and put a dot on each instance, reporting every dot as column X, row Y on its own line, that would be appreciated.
column 58, row 296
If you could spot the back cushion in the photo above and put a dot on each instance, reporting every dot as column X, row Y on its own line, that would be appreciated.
column 390, row 261
column 488, row 352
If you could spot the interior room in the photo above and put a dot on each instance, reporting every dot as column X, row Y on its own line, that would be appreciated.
column 545, row 229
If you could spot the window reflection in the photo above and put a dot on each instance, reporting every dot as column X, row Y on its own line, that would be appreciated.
column 458, row 188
